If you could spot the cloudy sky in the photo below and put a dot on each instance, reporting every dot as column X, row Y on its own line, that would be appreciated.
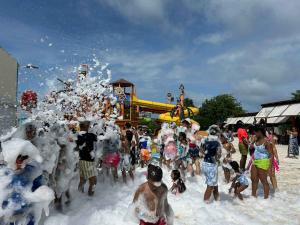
column 248, row 48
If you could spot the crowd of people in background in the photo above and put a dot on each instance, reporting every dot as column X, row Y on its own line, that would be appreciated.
column 80, row 151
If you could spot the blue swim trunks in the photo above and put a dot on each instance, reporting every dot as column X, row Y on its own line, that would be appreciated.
column 210, row 171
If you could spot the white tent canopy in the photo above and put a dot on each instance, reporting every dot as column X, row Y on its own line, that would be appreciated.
column 264, row 112
column 274, row 113
column 292, row 110
column 245, row 120
column 278, row 110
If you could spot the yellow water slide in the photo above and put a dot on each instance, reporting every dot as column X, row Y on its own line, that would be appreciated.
column 164, row 117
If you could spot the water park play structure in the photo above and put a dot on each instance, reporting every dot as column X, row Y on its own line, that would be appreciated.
column 128, row 104
column 131, row 106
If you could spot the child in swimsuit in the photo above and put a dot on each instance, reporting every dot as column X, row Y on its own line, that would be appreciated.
column 240, row 182
column 182, row 150
column 227, row 151
column 178, row 186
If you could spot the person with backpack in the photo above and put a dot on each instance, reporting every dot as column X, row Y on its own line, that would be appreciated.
column 211, row 149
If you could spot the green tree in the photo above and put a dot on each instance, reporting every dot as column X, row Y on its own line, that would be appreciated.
column 296, row 95
column 188, row 102
column 218, row 109
column 150, row 123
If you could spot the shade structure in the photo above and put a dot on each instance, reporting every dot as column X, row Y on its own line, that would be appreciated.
column 277, row 120
column 248, row 120
column 292, row 110
column 245, row 120
column 264, row 112
column 230, row 121
column 278, row 110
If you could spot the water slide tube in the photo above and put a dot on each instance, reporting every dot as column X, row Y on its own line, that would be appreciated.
column 164, row 117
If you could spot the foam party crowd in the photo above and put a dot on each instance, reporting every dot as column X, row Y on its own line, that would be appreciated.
column 70, row 146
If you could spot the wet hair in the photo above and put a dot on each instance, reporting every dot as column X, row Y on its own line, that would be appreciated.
column 260, row 128
column 84, row 125
column 127, row 125
column 155, row 173
column 240, row 124
column 22, row 157
column 251, row 129
column 214, row 130
column 175, row 175
column 235, row 166
column 182, row 134
column 180, row 184
column 262, row 122
column 129, row 135
column 185, row 122
column 30, row 127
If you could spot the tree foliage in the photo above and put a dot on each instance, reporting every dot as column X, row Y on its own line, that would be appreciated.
column 217, row 109
column 188, row 102
column 296, row 95
column 150, row 123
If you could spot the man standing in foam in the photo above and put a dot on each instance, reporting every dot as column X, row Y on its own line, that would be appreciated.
column 150, row 200
column 86, row 143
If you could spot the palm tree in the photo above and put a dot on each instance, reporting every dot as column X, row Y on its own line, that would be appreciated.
column 296, row 95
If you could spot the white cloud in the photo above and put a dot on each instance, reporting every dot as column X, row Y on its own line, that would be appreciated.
column 136, row 10
column 215, row 38
column 229, row 57
column 259, row 72
column 261, row 18
column 148, row 70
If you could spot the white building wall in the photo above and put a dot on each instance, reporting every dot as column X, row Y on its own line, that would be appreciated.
column 8, row 91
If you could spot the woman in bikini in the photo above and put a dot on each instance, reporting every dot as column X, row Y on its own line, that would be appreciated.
column 262, row 160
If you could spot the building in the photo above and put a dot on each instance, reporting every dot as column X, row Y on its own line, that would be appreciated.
column 247, row 118
column 274, row 113
column 8, row 91
column 279, row 116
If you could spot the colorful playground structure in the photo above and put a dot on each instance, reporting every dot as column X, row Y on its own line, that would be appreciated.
column 128, row 104
column 131, row 106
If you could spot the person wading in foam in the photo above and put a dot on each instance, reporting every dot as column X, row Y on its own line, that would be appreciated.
column 150, row 200
column 243, row 143
column 87, row 166
column 211, row 148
